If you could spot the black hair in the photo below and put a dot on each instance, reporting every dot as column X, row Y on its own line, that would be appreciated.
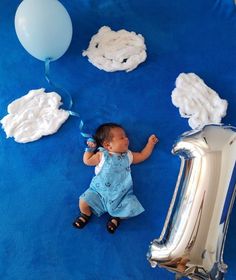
column 103, row 133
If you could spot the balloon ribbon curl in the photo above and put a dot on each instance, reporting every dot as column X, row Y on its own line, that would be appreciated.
column 66, row 95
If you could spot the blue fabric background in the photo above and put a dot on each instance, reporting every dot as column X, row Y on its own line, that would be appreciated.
column 40, row 182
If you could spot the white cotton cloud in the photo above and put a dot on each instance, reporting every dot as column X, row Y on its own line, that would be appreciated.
column 116, row 50
column 196, row 101
column 34, row 115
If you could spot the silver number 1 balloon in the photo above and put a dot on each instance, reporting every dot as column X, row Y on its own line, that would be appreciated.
column 193, row 237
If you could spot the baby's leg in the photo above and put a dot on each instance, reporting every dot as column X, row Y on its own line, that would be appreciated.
column 85, row 214
column 84, row 207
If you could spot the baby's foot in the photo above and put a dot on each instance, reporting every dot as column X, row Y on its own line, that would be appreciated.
column 113, row 224
column 81, row 221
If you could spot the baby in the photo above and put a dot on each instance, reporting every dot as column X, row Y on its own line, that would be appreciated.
column 111, row 189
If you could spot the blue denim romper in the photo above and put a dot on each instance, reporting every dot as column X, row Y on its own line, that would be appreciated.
column 111, row 190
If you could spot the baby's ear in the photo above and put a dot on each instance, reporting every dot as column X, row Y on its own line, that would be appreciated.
column 106, row 144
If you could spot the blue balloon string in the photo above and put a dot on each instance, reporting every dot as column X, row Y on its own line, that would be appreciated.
column 68, row 106
column 66, row 97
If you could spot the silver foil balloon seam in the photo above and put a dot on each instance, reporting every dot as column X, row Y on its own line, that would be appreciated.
column 192, row 240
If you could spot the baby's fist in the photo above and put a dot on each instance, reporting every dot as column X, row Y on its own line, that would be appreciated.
column 91, row 143
column 153, row 139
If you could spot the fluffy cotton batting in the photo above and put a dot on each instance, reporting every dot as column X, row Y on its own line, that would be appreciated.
column 198, row 102
column 116, row 50
column 34, row 115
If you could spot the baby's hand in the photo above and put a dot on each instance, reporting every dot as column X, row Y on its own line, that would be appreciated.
column 91, row 143
column 153, row 139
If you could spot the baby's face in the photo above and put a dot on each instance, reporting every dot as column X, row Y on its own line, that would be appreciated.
column 119, row 142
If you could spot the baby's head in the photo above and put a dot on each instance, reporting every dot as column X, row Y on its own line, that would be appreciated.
column 112, row 137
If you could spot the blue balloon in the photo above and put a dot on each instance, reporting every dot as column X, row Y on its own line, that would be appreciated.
column 44, row 28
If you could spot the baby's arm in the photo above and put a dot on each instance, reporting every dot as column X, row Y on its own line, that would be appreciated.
column 147, row 150
column 91, row 158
